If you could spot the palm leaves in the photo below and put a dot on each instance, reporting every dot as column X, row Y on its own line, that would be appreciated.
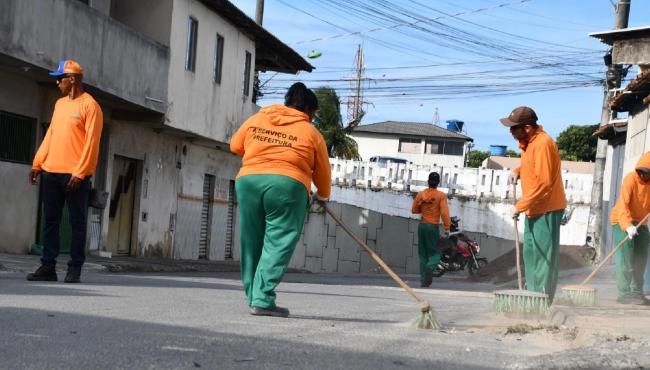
column 328, row 121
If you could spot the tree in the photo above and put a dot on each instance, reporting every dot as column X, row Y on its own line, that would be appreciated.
column 476, row 157
column 328, row 121
column 512, row 154
column 576, row 143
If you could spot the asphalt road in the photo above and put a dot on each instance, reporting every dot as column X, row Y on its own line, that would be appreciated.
column 200, row 320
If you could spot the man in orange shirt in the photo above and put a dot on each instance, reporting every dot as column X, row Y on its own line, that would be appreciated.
column 282, row 153
column 432, row 204
column 65, row 161
column 543, row 199
column 632, row 205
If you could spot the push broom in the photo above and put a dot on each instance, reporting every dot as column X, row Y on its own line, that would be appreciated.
column 519, row 301
column 583, row 295
column 427, row 318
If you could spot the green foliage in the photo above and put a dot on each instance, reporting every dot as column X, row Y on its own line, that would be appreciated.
column 576, row 143
column 328, row 121
column 512, row 154
column 476, row 157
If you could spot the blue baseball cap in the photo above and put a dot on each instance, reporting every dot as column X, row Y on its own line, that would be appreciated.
column 67, row 66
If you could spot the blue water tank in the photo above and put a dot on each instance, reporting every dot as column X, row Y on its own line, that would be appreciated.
column 498, row 150
column 455, row 125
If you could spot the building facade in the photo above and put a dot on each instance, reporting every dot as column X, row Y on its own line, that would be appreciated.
column 174, row 79
column 419, row 143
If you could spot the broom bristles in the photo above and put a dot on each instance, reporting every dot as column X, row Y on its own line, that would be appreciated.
column 520, row 301
column 578, row 295
column 426, row 320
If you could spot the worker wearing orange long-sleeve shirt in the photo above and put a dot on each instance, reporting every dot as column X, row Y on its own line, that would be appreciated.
column 432, row 204
column 543, row 200
column 65, row 160
column 282, row 153
column 632, row 206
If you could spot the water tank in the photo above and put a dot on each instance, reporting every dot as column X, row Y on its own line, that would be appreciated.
column 498, row 150
column 455, row 125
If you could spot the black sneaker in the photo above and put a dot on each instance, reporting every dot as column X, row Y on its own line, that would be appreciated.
column 275, row 311
column 43, row 273
column 73, row 276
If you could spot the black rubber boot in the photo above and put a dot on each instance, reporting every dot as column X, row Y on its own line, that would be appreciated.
column 73, row 276
column 43, row 273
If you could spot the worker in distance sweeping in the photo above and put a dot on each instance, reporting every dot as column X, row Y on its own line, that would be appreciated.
column 282, row 153
column 543, row 200
column 632, row 206
column 432, row 204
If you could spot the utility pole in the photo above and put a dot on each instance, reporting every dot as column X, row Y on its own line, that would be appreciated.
column 259, row 12
column 612, row 81
column 356, row 100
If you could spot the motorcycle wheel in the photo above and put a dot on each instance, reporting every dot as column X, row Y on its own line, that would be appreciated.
column 439, row 272
column 480, row 271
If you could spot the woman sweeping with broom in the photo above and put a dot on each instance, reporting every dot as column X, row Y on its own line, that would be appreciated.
column 282, row 152
column 432, row 204
column 631, row 207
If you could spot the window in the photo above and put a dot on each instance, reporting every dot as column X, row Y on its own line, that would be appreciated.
column 218, row 58
column 247, row 74
column 17, row 138
column 192, row 37
column 443, row 147
column 410, row 146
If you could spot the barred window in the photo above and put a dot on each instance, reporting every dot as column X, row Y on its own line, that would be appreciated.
column 17, row 138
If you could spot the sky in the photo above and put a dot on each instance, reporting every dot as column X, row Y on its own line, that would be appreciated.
column 471, row 60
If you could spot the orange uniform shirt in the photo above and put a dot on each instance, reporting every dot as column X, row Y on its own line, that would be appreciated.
column 540, row 172
column 432, row 204
column 71, row 144
column 280, row 140
column 634, row 202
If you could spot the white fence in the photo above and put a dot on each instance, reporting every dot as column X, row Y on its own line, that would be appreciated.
column 463, row 181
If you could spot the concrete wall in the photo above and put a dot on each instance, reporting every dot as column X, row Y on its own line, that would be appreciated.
column 149, row 17
column 196, row 103
column 156, row 187
column 372, row 144
column 19, row 200
column 120, row 62
column 198, row 162
column 383, row 221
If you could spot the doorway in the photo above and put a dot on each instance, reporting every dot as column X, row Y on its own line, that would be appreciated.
column 122, row 206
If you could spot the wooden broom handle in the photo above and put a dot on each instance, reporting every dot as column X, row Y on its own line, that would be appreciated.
column 377, row 259
column 609, row 255
column 519, row 280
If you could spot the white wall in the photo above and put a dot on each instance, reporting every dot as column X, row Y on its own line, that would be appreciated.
column 158, row 154
column 372, row 144
column 198, row 162
column 196, row 103
column 149, row 17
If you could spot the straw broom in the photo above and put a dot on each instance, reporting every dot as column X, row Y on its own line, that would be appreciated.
column 519, row 301
column 583, row 295
column 427, row 318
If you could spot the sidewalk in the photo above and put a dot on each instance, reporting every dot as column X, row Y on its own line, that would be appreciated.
column 28, row 263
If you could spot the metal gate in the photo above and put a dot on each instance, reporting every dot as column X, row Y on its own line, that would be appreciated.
column 230, row 225
column 206, row 216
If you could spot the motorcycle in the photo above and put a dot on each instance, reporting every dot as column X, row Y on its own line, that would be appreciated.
column 459, row 252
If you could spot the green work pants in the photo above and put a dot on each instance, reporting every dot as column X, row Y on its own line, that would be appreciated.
column 630, row 261
column 541, row 250
column 272, row 211
column 428, row 236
